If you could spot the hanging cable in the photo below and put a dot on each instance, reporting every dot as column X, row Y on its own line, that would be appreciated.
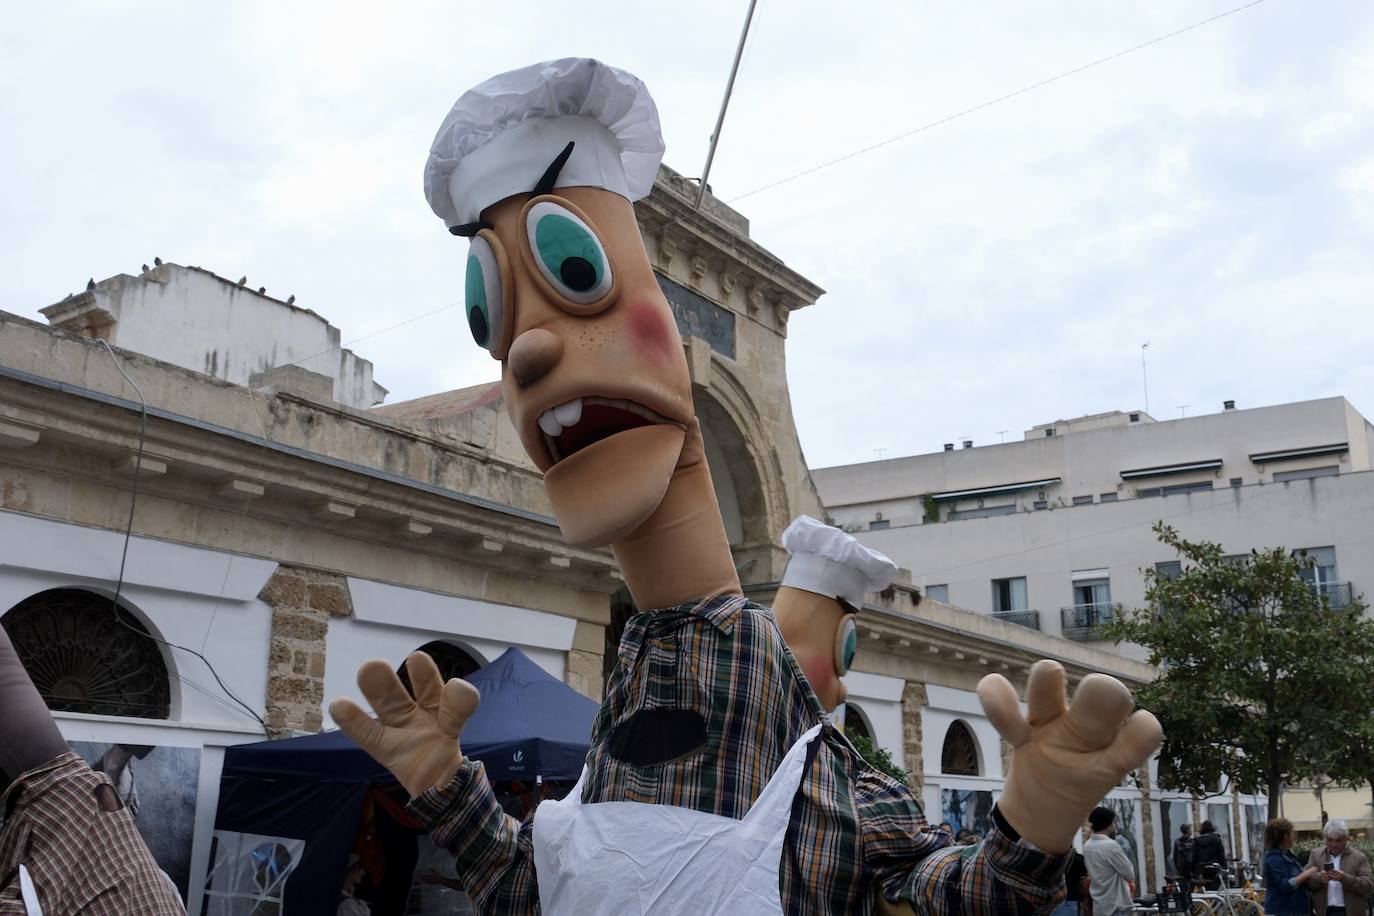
column 128, row 536
column 1001, row 98
column 856, row 153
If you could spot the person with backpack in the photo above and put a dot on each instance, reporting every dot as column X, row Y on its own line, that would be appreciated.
column 1184, row 855
column 1209, row 856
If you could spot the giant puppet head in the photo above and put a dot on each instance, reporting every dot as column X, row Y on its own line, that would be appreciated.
column 538, row 168
column 821, row 593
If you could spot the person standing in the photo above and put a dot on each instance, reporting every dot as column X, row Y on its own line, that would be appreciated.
column 1183, row 855
column 1108, row 868
column 1209, row 857
column 1343, row 882
column 1284, row 876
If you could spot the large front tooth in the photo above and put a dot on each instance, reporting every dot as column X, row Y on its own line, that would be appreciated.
column 568, row 414
column 548, row 422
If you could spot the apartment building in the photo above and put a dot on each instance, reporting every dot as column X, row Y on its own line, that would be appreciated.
column 1052, row 532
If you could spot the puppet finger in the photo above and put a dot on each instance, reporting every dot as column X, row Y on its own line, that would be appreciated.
column 1046, row 699
column 355, row 722
column 460, row 700
column 425, row 681
column 1139, row 738
column 1100, row 705
column 1003, row 709
column 384, row 691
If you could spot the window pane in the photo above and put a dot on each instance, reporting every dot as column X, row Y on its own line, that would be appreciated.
column 938, row 593
column 1018, row 595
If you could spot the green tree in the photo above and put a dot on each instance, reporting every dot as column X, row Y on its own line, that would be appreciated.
column 1261, row 679
column 877, row 757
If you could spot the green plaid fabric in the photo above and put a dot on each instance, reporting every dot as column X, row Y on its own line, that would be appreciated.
column 855, row 832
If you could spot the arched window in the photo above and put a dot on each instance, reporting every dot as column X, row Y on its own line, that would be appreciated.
column 855, row 723
column 959, row 757
column 86, row 655
column 453, row 661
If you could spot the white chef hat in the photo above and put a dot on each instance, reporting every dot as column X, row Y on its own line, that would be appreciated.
column 829, row 562
column 501, row 136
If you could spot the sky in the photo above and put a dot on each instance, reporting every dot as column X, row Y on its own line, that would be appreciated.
column 1211, row 194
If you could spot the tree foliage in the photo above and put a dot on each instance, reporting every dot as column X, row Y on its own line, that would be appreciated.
column 1262, row 680
column 878, row 757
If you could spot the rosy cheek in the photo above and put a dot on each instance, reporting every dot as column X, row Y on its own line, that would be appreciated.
column 821, row 673
column 649, row 329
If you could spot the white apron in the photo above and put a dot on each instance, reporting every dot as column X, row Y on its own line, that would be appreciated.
column 627, row 858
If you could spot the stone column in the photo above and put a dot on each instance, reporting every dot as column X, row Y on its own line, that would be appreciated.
column 585, row 660
column 914, row 699
column 1238, row 848
column 302, row 602
column 1153, row 879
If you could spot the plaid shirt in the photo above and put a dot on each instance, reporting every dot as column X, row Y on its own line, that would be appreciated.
column 82, row 858
column 854, row 831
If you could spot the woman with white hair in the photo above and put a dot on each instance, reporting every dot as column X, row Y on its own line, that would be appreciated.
column 1343, row 881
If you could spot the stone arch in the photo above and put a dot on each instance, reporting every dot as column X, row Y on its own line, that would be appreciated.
column 959, row 754
column 738, row 451
column 856, row 721
column 453, row 658
column 87, row 654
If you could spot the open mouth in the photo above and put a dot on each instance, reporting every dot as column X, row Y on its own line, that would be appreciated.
column 574, row 425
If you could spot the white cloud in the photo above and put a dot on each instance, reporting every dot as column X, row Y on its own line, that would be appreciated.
column 1211, row 194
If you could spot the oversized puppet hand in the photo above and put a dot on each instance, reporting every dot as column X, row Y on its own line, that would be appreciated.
column 1065, row 758
column 416, row 739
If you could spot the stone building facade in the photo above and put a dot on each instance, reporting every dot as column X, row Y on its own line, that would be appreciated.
column 281, row 536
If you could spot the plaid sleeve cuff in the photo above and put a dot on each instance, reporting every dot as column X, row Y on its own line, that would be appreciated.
column 1036, row 876
column 465, row 818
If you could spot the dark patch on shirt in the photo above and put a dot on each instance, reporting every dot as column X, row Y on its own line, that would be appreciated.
column 654, row 736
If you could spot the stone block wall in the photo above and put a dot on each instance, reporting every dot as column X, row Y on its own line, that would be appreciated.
column 585, row 660
column 302, row 601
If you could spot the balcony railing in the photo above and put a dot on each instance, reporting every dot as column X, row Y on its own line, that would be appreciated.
column 1028, row 619
column 1081, row 621
column 1337, row 594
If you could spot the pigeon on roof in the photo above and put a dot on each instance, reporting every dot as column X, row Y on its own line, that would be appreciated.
column 243, row 279
column 90, row 284
column 157, row 262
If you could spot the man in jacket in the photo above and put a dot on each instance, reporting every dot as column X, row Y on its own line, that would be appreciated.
column 1108, row 867
column 1209, row 857
column 1343, row 882
column 1183, row 854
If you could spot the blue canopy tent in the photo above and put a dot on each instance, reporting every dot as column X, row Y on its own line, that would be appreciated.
column 529, row 724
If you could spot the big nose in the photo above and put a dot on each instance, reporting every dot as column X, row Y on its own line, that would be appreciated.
column 533, row 355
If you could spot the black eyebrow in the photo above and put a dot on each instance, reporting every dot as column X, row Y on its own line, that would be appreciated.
column 544, row 186
column 546, row 181
column 468, row 230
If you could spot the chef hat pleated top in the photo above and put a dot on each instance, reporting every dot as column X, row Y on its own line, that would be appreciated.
column 830, row 562
column 501, row 136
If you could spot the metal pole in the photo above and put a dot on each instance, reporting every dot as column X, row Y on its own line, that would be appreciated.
column 724, row 103
column 1145, row 376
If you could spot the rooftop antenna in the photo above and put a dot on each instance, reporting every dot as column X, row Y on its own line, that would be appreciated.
column 1144, row 375
column 880, row 453
column 1002, row 435
column 720, row 118
column 1183, row 409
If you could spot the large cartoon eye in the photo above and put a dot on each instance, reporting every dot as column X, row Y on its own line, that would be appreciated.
column 846, row 644
column 482, row 292
column 567, row 253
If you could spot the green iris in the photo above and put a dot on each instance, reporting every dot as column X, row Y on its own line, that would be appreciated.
column 570, row 252
column 479, row 313
column 851, row 646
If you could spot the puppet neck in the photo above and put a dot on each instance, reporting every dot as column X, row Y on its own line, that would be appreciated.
column 680, row 553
